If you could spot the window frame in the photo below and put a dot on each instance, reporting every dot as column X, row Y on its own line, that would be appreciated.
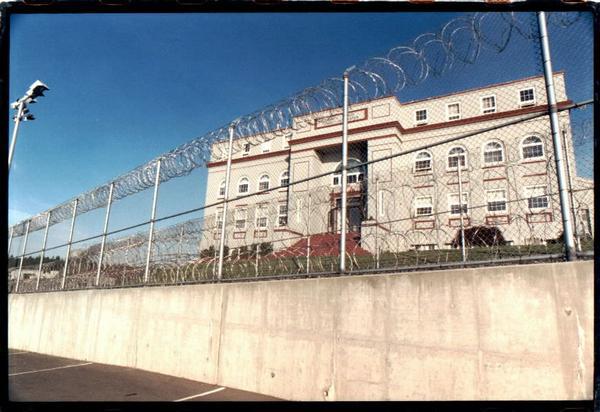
column 522, row 146
column 448, row 111
column 261, row 212
column 529, row 102
column 244, row 151
column 416, row 206
column 465, row 154
column 529, row 189
column 239, row 210
column 247, row 184
column 495, row 162
column 221, row 186
column 430, row 162
column 505, row 199
column 265, row 147
column 495, row 108
column 281, row 178
column 280, row 215
column 450, row 203
column 261, row 181
column 421, row 122
column 219, row 219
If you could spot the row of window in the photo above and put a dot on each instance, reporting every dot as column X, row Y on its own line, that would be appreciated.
column 265, row 147
column 264, row 183
column 532, row 148
column 261, row 217
column 537, row 198
column 488, row 105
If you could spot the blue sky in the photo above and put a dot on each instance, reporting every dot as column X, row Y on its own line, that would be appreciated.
column 128, row 87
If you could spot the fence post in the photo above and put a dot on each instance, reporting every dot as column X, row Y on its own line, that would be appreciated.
column 37, row 283
column 558, row 153
column 152, row 218
column 308, row 236
column 256, row 263
column 460, row 208
column 178, row 254
column 64, row 277
column 108, row 206
column 225, row 201
column 10, row 238
column 344, row 177
column 22, row 256
column 571, row 197
column 377, row 222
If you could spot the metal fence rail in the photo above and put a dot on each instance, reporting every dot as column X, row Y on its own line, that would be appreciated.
column 401, row 177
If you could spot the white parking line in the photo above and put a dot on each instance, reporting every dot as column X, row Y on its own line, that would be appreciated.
column 16, row 353
column 50, row 369
column 199, row 395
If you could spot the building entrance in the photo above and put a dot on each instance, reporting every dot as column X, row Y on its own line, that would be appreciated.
column 354, row 215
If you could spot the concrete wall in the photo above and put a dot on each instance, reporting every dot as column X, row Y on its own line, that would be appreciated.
column 514, row 332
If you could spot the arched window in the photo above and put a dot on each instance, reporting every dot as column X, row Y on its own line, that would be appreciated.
column 354, row 175
column 284, row 179
column 222, row 188
column 532, row 148
column 264, row 182
column 423, row 161
column 457, row 155
column 493, row 152
column 243, row 185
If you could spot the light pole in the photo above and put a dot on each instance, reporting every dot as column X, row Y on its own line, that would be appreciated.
column 37, row 89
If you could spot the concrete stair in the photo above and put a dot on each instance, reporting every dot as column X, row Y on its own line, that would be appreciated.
column 324, row 244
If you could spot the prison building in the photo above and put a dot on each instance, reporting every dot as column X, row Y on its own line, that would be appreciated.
column 410, row 199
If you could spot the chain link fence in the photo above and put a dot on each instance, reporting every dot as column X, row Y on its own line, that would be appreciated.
column 450, row 162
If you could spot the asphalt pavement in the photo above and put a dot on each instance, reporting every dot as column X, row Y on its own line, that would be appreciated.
column 36, row 377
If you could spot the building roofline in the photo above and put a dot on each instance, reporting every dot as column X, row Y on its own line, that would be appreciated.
column 442, row 96
column 394, row 124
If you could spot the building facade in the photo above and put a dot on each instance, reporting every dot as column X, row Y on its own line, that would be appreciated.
column 412, row 198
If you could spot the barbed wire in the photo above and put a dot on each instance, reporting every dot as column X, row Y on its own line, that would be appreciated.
column 431, row 54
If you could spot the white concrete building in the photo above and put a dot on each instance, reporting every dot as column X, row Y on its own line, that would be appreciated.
column 508, row 177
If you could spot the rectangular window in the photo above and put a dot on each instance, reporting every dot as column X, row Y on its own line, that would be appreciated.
column 219, row 219
column 455, row 205
column 282, row 216
column 423, row 206
column 243, row 187
column 263, row 185
column 422, row 165
column 453, row 111
column 265, row 147
column 262, row 219
column 488, row 104
column 336, row 180
column 527, row 96
column 246, row 149
column 537, row 197
column 421, row 116
column 241, row 214
column 496, row 200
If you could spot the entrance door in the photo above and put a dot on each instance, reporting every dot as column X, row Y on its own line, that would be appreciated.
column 354, row 215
